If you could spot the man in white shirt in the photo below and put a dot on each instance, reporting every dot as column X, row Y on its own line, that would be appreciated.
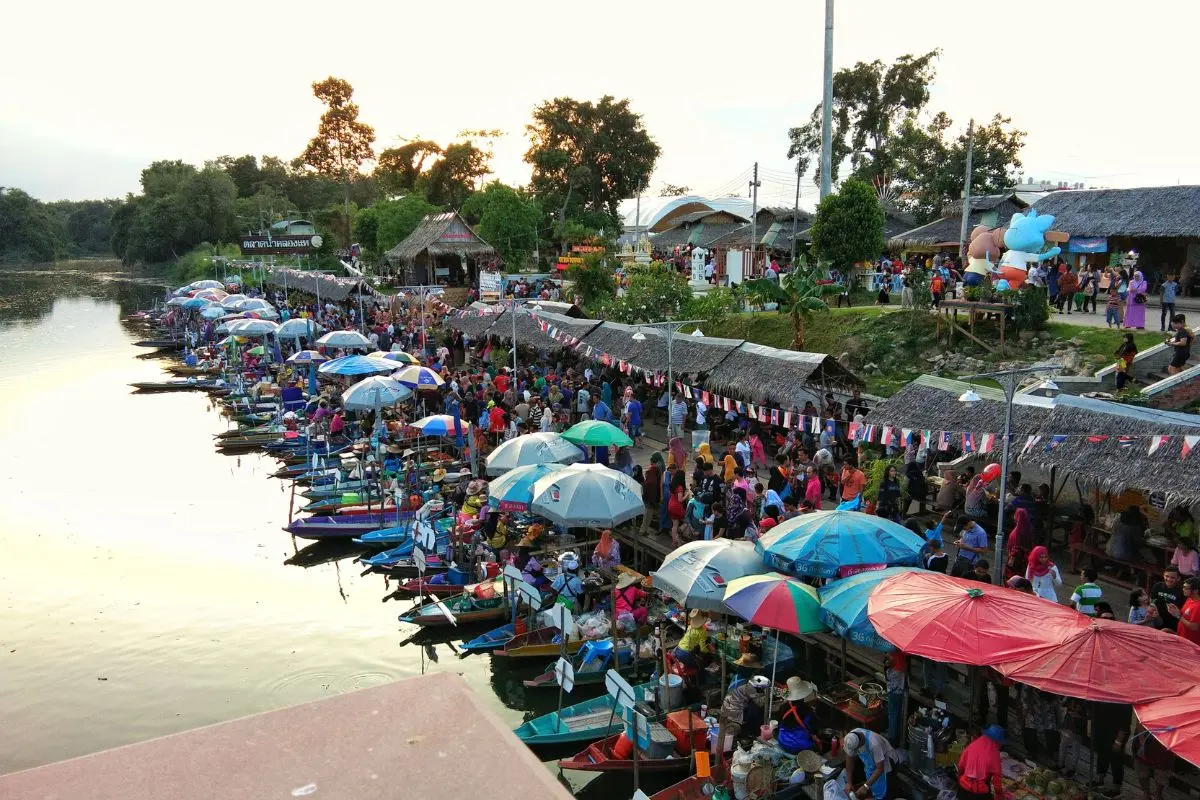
column 583, row 403
column 742, row 449
column 701, row 410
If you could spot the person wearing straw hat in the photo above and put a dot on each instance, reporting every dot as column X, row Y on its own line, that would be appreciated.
column 797, row 722
column 695, row 640
column 875, row 754
column 743, row 709
column 630, row 601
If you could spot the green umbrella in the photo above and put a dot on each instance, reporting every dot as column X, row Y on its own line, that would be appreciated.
column 257, row 351
column 593, row 433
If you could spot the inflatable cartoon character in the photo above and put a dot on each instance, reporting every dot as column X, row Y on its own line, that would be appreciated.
column 1025, row 237
column 985, row 244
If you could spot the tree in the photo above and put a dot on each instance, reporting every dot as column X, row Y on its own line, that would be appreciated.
column 592, row 282
column 931, row 166
column 656, row 291
column 848, row 226
column 244, row 172
column 871, row 101
column 588, row 155
column 797, row 294
column 399, row 218
column 209, row 198
column 451, row 179
column 29, row 230
column 165, row 178
column 505, row 219
column 342, row 144
column 671, row 190
column 399, row 168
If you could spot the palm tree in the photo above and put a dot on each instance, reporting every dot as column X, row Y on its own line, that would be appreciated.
column 796, row 293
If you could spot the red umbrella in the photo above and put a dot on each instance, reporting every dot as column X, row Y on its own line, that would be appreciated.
column 1113, row 662
column 966, row 622
column 1175, row 721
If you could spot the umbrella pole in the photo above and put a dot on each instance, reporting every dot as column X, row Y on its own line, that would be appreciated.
column 774, row 670
column 721, row 652
column 843, row 658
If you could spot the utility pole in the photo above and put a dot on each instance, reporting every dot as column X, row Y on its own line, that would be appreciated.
column 827, row 106
column 966, row 205
column 754, row 184
column 795, row 212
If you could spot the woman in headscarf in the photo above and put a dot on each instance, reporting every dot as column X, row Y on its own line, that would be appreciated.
column 606, row 393
column 704, row 451
column 1043, row 574
column 1020, row 544
column 676, row 455
column 735, row 504
column 608, row 551
column 1135, row 302
column 676, row 504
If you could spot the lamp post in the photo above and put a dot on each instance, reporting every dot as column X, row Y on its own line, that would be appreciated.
column 969, row 398
column 669, row 328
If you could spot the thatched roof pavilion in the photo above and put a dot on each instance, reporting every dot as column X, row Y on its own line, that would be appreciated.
column 991, row 210
column 931, row 403
column 441, row 239
column 689, row 354
column 1147, row 212
column 778, row 377
column 318, row 284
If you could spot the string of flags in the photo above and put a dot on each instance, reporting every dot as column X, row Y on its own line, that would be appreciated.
column 856, row 432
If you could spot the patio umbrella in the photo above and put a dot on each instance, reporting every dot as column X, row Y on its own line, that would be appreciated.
column 251, row 304
column 212, row 312
column 934, row 616
column 844, row 607
column 513, row 491
column 775, row 601
column 206, row 284
column 257, row 350
column 1110, row 661
column 374, row 393
column 196, row 302
column 216, row 295
column 347, row 339
column 418, row 377
column 308, row 357
column 697, row 573
column 355, row 365
column 592, row 433
column 440, row 425
column 401, row 357
column 232, row 300
column 252, row 327
column 178, row 301
column 532, row 448
column 822, row 543
column 233, row 280
column 583, row 495
column 297, row 328
column 1175, row 721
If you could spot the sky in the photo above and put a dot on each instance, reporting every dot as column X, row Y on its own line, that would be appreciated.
column 116, row 85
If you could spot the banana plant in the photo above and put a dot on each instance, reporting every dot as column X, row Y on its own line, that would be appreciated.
column 797, row 294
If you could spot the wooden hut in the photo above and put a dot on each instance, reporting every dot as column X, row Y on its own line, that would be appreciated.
column 443, row 250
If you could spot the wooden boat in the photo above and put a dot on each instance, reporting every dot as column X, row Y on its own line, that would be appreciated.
column 184, row 370
column 335, row 527
column 189, row 385
column 401, row 552
column 599, row 757
column 538, row 643
column 160, row 344
column 582, row 722
column 590, row 665
column 415, row 587
column 465, row 608
column 487, row 642
column 407, row 568
column 694, row 787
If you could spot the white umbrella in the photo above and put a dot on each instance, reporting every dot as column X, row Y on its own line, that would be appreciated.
column 252, row 327
column 371, row 394
column 588, row 495
column 529, row 449
column 696, row 573
column 296, row 328
column 251, row 304
column 207, row 284
column 232, row 300
column 178, row 301
column 216, row 295
column 347, row 339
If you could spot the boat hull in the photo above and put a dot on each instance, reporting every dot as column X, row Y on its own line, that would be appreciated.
column 598, row 757
column 583, row 722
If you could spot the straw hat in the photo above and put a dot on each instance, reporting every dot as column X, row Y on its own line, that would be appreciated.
column 800, row 689
column 532, row 534
column 392, row 448
column 439, row 474
column 475, row 487
column 627, row 579
column 809, row 761
column 696, row 618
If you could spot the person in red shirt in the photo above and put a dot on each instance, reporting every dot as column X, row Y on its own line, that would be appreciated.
column 979, row 775
column 1189, row 615
column 501, row 382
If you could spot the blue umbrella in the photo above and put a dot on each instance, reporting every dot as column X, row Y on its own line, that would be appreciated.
column 356, row 365
column 372, row 394
column 821, row 543
column 513, row 491
column 844, row 607
column 196, row 302
column 418, row 377
column 308, row 357
column 440, row 424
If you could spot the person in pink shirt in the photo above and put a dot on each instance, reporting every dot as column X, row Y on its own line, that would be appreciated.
column 812, row 488
column 1186, row 558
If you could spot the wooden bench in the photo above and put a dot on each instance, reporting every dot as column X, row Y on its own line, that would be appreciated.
column 1144, row 567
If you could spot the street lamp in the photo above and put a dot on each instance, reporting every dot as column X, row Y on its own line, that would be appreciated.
column 971, row 398
column 669, row 328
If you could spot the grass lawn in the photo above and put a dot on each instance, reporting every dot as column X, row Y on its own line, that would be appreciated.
column 1102, row 342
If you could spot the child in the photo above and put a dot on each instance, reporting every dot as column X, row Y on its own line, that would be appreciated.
column 1186, row 558
column 936, row 560
column 1140, row 610
column 758, row 454
column 1087, row 594
column 1112, row 309
column 708, row 521
column 982, row 572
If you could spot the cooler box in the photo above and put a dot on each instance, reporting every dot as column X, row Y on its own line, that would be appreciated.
column 677, row 724
column 662, row 742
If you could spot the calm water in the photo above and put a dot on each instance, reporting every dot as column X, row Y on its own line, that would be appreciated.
column 143, row 588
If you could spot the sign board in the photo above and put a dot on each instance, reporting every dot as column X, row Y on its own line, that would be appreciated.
column 564, row 674
column 513, row 573
column 445, row 612
column 619, row 689
column 529, row 594
column 490, row 285
column 425, row 538
column 294, row 244
column 419, row 559
column 640, row 795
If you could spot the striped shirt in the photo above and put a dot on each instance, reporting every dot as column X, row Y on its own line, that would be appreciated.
column 679, row 411
column 1085, row 597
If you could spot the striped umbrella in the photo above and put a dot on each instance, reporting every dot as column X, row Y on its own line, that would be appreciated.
column 438, row 424
column 775, row 601
column 401, row 357
column 418, row 377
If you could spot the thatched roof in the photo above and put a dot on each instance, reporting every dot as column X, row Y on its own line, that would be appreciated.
column 530, row 335
column 894, row 223
column 689, row 354
column 473, row 325
column 318, row 284
column 930, row 403
column 1150, row 211
column 778, row 377
column 440, row 234
column 701, row 234
column 948, row 228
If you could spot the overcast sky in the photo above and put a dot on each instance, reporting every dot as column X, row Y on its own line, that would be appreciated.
column 95, row 91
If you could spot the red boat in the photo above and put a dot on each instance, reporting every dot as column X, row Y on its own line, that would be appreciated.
column 415, row 586
column 602, row 757
column 693, row 788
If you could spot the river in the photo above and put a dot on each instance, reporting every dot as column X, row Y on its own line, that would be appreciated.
column 143, row 583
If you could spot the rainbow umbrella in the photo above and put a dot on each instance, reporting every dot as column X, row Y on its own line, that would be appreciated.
column 416, row 377
column 775, row 601
column 401, row 357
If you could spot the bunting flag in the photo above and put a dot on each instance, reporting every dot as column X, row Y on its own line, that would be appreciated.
column 886, row 439
column 855, row 429
column 870, row 433
column 906, row 436
column 816, row 425
column 741, row 407
column 1188, row 443
column 986, row 442
column 704, row 397
column 687, row 392
column 1124, row 441
column 1054, row 442
column 926, row 438
column 1097, row 439
column 728, row 404
column 1029, row 443
column 775, row 416
column 968, row 442
column 831, row 427
column 753, row 415
column 944, row 441
column 1157, row 442
column 787, row 420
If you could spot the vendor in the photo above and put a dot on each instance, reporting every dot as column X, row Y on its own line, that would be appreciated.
column 631, row 600
column 797, row 722
column 567, row 588
column 607, row 554
column 875, row 754
column 979, row 766
column 743, row 709
column 531, row 569
column 694, row 641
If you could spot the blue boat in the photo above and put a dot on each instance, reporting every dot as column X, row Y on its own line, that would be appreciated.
column 487, row 642
column 401, row 532
column 583, row 722
column 337, row 527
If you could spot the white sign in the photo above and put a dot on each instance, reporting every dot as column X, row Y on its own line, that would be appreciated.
column 445, row 612
column 419, row 559
column 512, row 572
column 528, row 594
column 640, row 795
column 490, row 285
column 619, row 689
column 564, row 674
column 562, row 618
column 425, row 538
column 735, row 265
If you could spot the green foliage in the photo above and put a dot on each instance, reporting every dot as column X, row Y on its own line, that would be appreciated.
column 452, row 177
column 398, row 218
column 592, row 281
column 848, row 227
column 918, row 281
column 180, row 208
column 715, row 306
column 875, row 468
column 342, row 144
column 671, row 190
column 166, row 178
column 588, row 155
column 507, row 220
column 656, row 292
column 1031, row 308
column 200, row 262
column 399, row 169
column 366, row 229
column 29, row 229
column 797, row 294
